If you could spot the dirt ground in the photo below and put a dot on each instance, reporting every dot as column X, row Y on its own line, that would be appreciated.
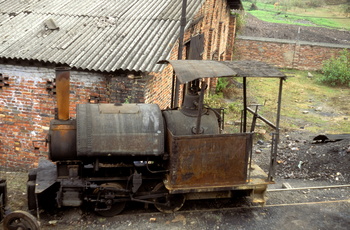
column 257, row 28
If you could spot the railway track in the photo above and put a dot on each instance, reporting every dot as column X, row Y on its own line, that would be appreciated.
column 283, row 205
column 155, row 213
column 276, row 198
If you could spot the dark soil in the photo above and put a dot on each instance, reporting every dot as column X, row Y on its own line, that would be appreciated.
column 299, row 157
column 257, row 28
column 302, row 158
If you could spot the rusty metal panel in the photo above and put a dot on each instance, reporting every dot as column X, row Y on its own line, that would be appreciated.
column 251, row 68
column 203, row 161
column 189, row 70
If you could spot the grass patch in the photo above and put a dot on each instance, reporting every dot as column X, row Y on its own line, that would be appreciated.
column 306, row 103
column 330, row 16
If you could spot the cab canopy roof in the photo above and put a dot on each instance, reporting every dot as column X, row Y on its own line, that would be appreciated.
column 189, row 70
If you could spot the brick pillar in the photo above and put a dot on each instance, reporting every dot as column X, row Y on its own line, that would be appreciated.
column 219, row 37
column 209, row 44
column 230, row 38
column 296, row 55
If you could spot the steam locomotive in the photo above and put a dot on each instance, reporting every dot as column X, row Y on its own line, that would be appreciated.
column 115, row 153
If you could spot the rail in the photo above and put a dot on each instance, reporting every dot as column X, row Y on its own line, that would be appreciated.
column 306, row 188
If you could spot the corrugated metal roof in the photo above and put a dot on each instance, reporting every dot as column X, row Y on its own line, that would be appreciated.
column 189, row 70
column 100, row 35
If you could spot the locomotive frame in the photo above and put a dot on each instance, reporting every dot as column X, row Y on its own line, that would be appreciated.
column 181, row 153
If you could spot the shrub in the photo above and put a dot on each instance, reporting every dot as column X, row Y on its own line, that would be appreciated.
column 221, row 84
column 240, row 19
column 336, row 70
column 228, row 87
column 215, row 101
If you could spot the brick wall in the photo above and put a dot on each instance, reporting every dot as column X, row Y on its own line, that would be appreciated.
column 215, row 21
column 28, row 101
column 218, row 26
column 158, row 88
column 285, row 53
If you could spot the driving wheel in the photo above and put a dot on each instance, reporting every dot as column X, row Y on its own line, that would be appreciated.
column 115, row 207
column 20, row 220
column 169, row 203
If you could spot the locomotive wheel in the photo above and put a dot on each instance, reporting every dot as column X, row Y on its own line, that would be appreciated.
column 20, row 220
column 170, row 203
column 117, row 207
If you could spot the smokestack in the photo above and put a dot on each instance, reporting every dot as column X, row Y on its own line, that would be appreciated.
column 62, row 92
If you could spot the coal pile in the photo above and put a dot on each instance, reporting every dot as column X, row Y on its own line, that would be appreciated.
column 300, row 158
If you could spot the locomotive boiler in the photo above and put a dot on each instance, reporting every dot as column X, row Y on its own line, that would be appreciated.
column 116, row 153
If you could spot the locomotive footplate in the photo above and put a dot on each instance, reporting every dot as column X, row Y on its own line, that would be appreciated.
column 256, row 186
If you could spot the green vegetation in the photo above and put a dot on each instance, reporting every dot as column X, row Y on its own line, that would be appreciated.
column 336, row 70
column 221, row 84
column 302, row 12
column 306, row 103
column 240, row 19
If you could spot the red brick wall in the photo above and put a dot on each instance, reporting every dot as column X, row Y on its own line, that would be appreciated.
column 27, row 106
column 25, row 111
column 217, row 24
column 284, row 53
column 158, row 88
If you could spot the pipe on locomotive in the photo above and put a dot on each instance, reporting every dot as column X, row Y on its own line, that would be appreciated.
column 62, row 92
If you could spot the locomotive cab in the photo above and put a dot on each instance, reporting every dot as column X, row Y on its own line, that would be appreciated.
column 213, row 164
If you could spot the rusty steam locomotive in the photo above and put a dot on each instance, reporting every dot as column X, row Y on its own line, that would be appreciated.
column 115, row 153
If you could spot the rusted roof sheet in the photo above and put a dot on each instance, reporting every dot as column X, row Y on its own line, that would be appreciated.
column 250, row 68
column 104, row 35
column 189, row 70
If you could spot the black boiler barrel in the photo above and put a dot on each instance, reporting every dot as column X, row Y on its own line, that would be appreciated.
column 107, row 130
